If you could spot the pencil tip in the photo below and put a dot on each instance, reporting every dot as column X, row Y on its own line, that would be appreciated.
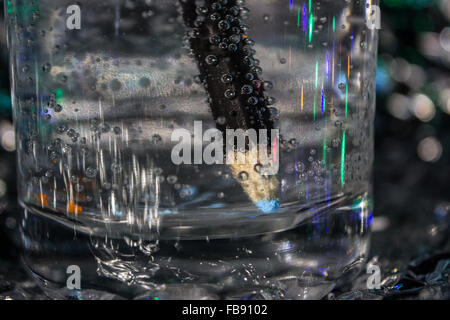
column 268, row 206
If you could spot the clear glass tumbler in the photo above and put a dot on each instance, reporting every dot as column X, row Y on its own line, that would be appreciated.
column 122, row 111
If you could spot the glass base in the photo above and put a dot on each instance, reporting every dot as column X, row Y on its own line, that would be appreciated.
column 303, row 262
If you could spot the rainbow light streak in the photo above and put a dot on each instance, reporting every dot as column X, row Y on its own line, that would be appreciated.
column 309, row 5
column 311, row 19
column 334, row 24
column 325, row 148
column 298, row 19
column 302, row 100
column 304, row 18
column 328, row 66
column 291, row 4
column 343, row 159
column 59, row 96
column 323, row 100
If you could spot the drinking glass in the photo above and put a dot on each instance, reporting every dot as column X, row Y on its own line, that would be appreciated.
column 117, row 106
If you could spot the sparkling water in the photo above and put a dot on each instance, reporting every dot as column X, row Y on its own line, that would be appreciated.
column 100, row 87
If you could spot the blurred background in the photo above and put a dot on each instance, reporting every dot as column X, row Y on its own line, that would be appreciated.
column 411, row 234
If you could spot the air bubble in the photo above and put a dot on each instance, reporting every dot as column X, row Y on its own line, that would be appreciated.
column 270, row 101
column 115, row 85
column 252, row 101
column 227, row 78
column 232, row 47
column 221, row 120
column 224, row 25
column 215, row 40
column 301, row 167
column 116, row 167
column 230, row 94
column 91, row 172
column 268, row 85
column 247, row 89
column 172, row 179
column 46, row 67
column 156, row 138
column 144, row 82
column 211, row 60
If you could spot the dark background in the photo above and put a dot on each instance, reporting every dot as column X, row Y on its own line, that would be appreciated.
column 412, row 173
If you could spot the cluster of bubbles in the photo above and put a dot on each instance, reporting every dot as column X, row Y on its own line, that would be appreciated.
column 230, row 38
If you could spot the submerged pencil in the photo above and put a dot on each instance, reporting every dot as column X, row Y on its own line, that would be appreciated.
column 218, row 40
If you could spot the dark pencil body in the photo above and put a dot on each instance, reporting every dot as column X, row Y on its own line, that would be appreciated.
column 228, row 70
